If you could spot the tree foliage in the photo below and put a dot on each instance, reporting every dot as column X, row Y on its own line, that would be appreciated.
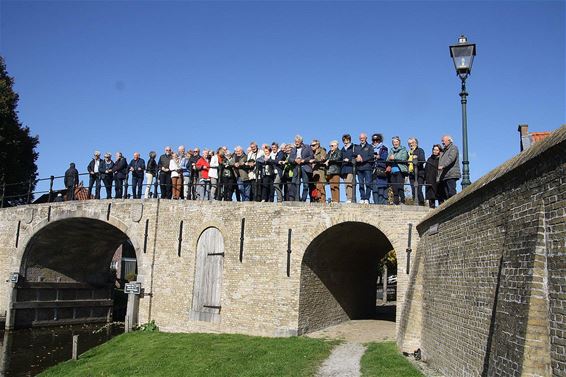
column 17, row 146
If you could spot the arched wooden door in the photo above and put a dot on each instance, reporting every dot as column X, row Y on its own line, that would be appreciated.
column 207, row 287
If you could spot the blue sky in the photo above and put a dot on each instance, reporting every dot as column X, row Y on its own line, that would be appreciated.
column 136, row 76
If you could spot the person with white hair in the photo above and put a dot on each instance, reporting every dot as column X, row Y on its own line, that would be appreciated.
column 106, row 174
column 397, row 166
column 416, row 170
column 94, row 175
column 448, row 169
column 302, row 173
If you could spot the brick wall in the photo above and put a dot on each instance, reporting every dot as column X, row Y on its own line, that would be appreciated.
column 488, row 292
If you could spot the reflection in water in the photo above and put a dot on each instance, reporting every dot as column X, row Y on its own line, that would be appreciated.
column 29, row 351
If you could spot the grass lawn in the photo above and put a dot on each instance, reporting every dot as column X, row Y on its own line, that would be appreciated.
column 384, row 360
column 165, row 354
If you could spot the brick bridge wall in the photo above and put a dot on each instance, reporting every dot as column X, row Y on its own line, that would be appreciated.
column 257, row 296
column 487, row 296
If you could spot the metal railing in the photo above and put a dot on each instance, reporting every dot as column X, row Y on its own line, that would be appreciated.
column 227, row 187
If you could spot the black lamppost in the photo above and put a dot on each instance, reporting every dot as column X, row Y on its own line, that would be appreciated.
column 463, row 56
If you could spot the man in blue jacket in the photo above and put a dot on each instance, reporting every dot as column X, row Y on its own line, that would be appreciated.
column 364, row 164
column 137, row 168
column 120, row 170
column 300, row 155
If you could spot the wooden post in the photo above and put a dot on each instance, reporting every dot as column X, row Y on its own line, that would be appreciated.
column 384, row 278
column 75, row 346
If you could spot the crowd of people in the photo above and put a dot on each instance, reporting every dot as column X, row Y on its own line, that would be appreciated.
column 286, row 172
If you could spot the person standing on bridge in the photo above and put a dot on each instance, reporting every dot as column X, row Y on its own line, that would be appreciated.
column 137, row 168
column 301, row 156
column 106, row 174
column 379, row 173
column 448, row 169
column 397, row 164
column 94, row 175
column 120, row 171
column 334, row 164
column 431, row 173
column 150, row 174
column 71, row 181
column 347, row 171
column 363, row 154
column 416, row 169
column 165, row 174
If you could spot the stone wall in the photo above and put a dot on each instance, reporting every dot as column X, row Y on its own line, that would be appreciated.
column 487, row 296
column 257, row 296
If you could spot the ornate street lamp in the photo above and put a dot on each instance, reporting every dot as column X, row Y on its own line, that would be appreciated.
column 463, row 56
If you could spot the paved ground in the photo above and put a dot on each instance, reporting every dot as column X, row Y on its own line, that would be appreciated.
column 359, row 331
column 344, row 361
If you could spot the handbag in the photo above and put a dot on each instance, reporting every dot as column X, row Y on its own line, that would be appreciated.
column 379, row 172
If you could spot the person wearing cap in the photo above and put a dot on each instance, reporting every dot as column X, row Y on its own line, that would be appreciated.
column 137, row 168
column 71, row 181
column 94, row 175
column 397, row 164
column 106, row 174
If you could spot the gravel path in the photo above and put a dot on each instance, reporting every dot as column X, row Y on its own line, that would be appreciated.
column 344, row 361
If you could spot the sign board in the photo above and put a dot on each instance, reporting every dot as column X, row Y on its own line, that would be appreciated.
column 133, row 288
column 14, row 277
column 433, row 229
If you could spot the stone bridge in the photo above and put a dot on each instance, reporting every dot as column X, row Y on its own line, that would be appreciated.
column 275, row 269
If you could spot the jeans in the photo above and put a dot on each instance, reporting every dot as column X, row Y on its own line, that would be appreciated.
column 364, row 180
column 300, row 176
column 245, row 190
column 186, row 186
column 447, row 189
column 203, row 189
column 379, row 189
column 137, row 183
column 92, row 179
column 107, row 180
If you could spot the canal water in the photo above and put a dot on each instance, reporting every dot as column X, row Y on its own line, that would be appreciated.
column 27, row 352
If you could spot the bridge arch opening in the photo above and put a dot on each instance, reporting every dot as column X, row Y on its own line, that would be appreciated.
column 339, row 274
column 69, row 274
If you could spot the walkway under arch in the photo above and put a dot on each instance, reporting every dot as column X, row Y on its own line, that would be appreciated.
column 339, row 275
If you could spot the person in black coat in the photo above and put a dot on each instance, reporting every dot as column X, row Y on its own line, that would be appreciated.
column 71, row 181
column 347, row 170
column 137, row 168
column 94, row 175
column 431, row 174
column 120, row 171
column 417, row 156
column 300, row 155
column 106, row 174
column 363, row 154
column 165, row 174
column 151, row 174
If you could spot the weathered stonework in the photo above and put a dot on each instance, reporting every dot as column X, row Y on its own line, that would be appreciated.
column 257, row 295
column 487, row 295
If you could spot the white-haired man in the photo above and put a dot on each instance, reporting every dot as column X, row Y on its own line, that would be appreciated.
column 448, row 169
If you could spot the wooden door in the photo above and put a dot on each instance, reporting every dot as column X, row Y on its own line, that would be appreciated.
column 207, row 286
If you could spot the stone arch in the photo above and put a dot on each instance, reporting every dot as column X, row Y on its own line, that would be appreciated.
column 339, row 275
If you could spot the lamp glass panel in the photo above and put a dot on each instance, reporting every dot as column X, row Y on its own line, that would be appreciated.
column 463, row 56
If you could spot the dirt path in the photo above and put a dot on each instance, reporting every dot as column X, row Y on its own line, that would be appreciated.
column 344, row 361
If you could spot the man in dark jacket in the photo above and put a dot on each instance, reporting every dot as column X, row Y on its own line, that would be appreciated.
column 120, row 171
column 94, row 175
column 364, row 165
column 137, row 168
column 301, row 156
column 448, row 168
column 71, row 181
column 106, row 174
column 416, row 169
column 278, row 182
column 165, row 174
column 379, row 175
column 347, row 165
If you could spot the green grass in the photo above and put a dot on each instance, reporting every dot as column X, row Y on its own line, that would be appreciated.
column 384, row 360
column 164, row 354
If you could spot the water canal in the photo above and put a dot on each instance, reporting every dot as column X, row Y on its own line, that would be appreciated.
column 27, row 352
